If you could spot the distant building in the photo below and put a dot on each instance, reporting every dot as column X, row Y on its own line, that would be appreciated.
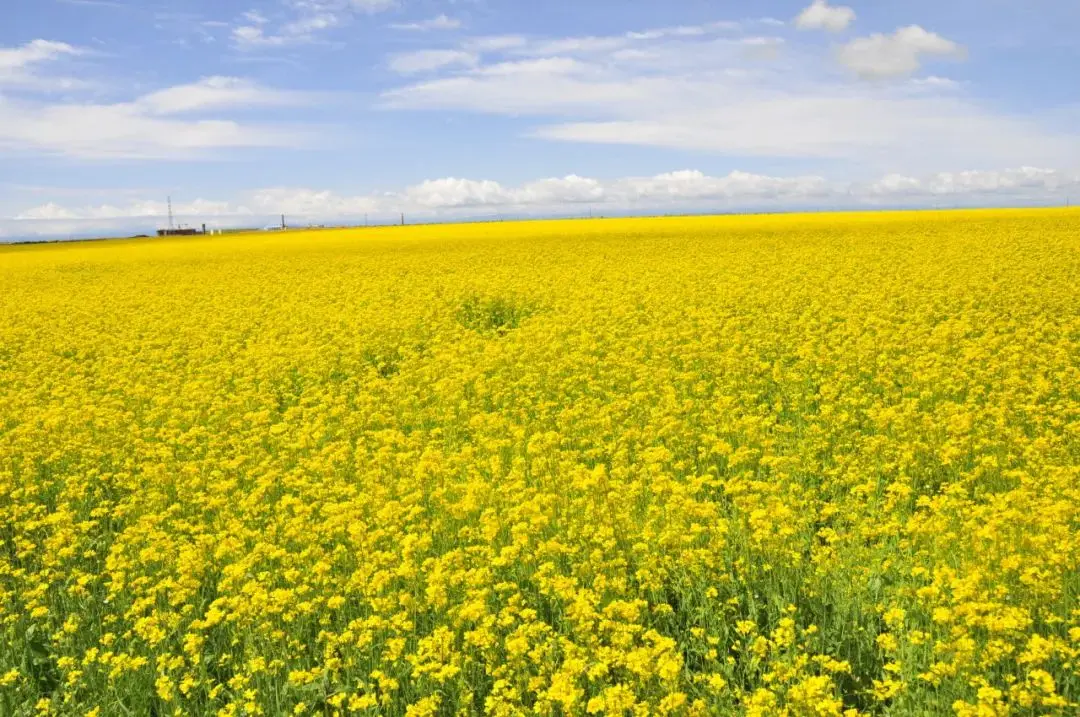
column 182, row 231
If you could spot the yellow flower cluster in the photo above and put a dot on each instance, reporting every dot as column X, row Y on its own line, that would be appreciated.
column 794, row 465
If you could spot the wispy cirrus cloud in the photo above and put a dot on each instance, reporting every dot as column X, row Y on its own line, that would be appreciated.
column 301, row 21
column 410, row 63
column 439, row 22
column 21, row 66
column 218, row 92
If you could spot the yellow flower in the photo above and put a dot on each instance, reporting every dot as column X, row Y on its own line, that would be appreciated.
column 699, row 465
column 9, row 678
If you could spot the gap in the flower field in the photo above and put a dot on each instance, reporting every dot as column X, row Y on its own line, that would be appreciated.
column 494, row 315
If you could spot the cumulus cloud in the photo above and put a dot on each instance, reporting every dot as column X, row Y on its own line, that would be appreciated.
column 570, row 189
column 822, row 16
column 897, row 55
column 309, row 203
column 1022, row 178
column 452, row 193
column 455, row 194
column 452, row 197
column 1032, row 182
column 692, row 184
column 895, row 185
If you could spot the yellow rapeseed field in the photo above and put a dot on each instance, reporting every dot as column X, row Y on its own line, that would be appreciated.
column 793, row 465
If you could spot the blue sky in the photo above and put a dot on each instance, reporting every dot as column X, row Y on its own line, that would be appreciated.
column 331, row 109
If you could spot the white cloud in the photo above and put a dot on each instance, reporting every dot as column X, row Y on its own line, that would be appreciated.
column 439, row 22
column 33, row 52
column 765, row 49
column 251, row 36
column 934, row 83
column 51, row 220
column 683, row 190
column 895, row 185
column 217, row 92
column 733, row 116
column 691, row 184
column 427, row 60
column 570, row 189
column 144, row 128
column 822, row 16
column 372, row 6
column 310, row 203
column 452, row 192
column 495, row 43
column 1008, row 180
column 712, row 93
column 18, row 64
column 587, row 45
column 897, row 55
column 545, row 86
column 309, row 19
column 577, row 46
column 685, row 30
column 50, row 211
column 138, row 209
column 307, row 25
column 1020, row 181
column 864, row 129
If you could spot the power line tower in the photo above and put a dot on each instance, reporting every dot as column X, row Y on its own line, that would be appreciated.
column 171, row 227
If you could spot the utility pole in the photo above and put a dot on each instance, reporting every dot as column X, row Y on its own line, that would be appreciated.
column 403, row 219
column 283, row 222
